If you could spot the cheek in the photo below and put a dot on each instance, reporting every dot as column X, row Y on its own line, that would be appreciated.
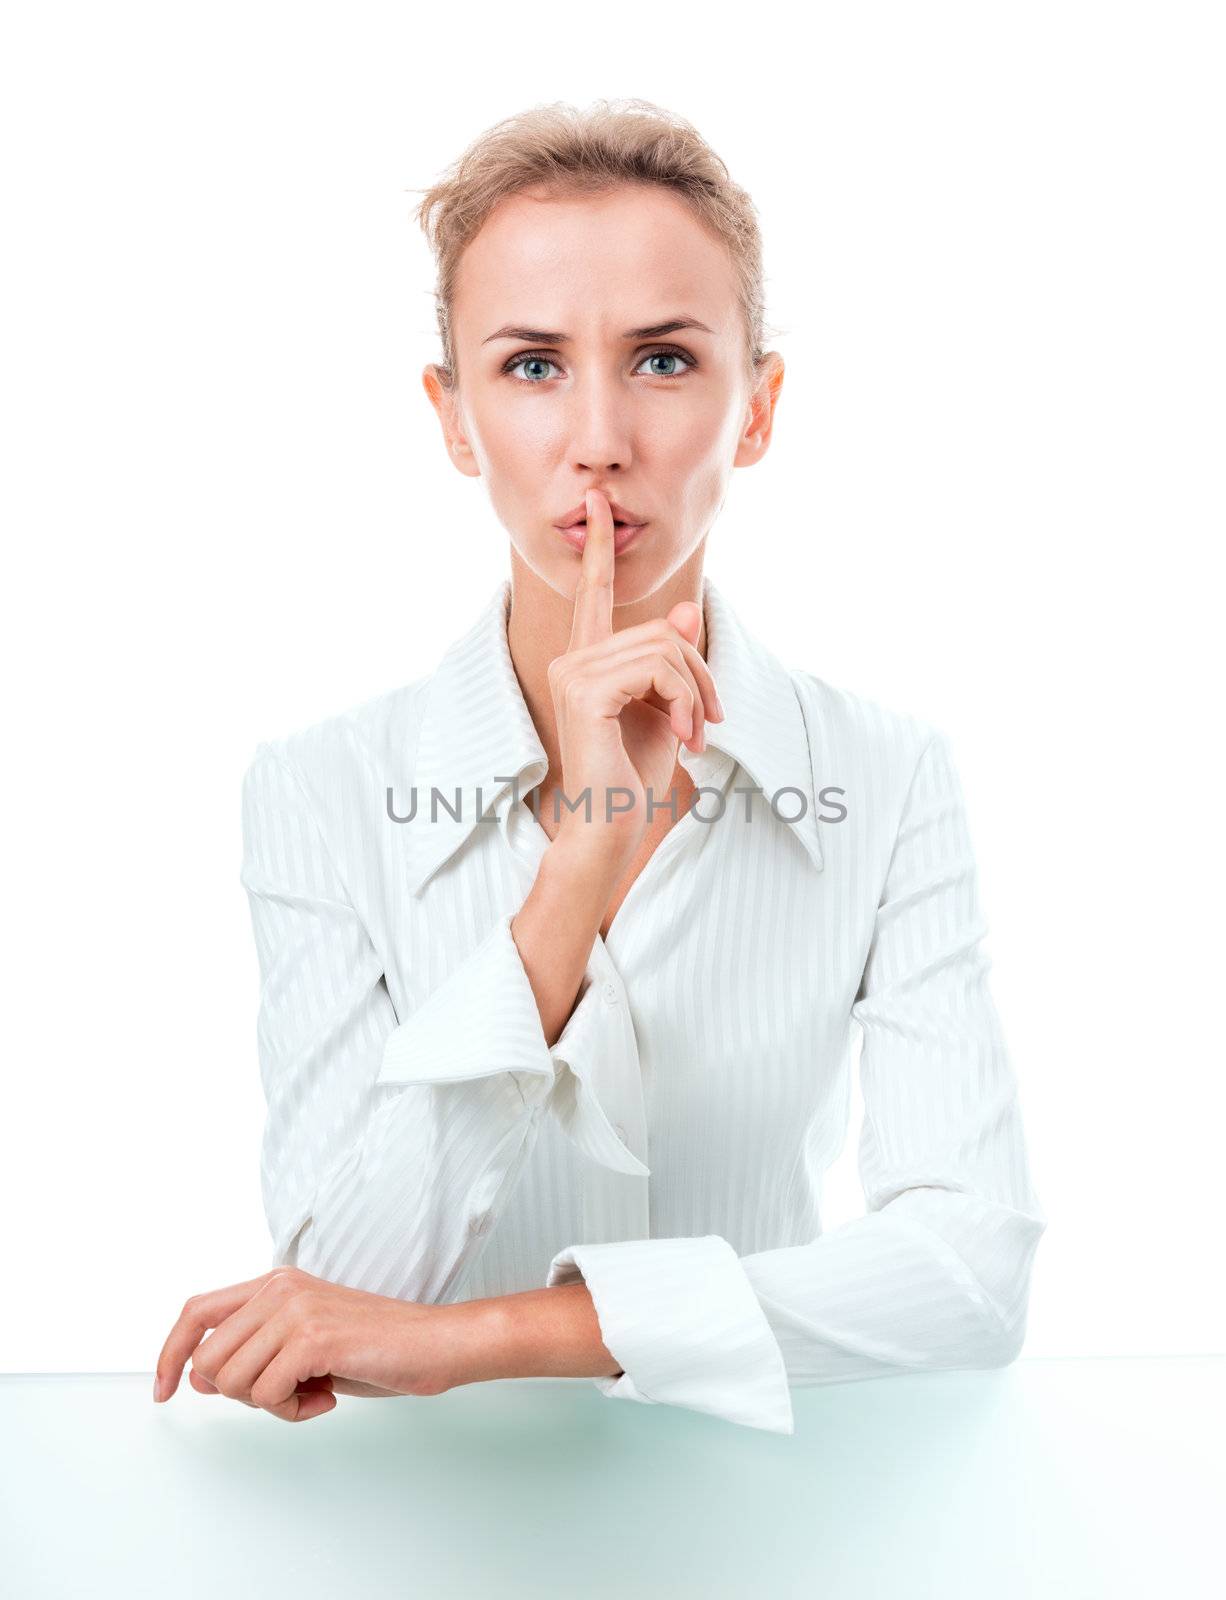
column 519, row 441
column 695, row 433
column 705, row 488
column 696, row 453
column 501, row 425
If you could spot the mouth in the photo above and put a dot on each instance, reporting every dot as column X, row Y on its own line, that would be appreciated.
column 624, row 533
column 580, row 525
column 623, row 517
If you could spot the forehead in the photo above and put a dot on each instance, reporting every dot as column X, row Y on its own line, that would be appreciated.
column 630, row 256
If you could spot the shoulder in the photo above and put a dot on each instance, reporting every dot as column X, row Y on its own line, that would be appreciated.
column 344, row 760
column 892, row 769
column 873, row 738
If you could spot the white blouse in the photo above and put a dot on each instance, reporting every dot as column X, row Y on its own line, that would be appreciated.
column 423, row 1141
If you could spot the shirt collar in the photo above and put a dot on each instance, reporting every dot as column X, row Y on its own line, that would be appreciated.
column 477, row 732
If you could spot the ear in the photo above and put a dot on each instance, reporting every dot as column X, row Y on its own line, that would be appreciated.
column 444, row 399
column 760, row 412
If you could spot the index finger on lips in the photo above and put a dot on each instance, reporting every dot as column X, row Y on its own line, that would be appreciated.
column 592, row 620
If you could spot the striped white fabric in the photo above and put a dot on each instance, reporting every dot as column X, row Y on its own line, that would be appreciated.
column 423, row 1141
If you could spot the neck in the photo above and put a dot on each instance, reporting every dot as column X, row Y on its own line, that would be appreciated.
column 538, row 629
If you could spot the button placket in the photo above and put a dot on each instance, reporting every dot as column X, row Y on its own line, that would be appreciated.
column 615, row 1204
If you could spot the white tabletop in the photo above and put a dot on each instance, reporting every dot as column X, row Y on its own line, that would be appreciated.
column 1048, row 1478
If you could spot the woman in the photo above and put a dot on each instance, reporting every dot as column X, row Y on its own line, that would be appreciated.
column 555, row 1063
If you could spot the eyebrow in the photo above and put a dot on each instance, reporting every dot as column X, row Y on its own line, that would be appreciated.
column 550, row 336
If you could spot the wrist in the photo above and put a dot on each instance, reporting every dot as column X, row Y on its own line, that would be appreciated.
column 537, row 1333
column 478, row 1337
column 594, row 854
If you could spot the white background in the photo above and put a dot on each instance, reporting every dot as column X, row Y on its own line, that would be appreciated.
column 995, row 258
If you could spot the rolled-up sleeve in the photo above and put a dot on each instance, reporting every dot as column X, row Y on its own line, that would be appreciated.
column 936, row 1274
column 390, row 1148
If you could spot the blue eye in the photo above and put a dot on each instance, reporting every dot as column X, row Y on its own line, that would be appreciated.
column 668, row 355
column 520, row 361
column 538, row 359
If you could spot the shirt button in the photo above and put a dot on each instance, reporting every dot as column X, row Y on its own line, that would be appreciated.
column 610, row 993
column 479, row 1223
column 619, row 1131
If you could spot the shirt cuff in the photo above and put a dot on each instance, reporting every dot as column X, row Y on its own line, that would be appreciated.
column 483, row 1019
column 682, row 1318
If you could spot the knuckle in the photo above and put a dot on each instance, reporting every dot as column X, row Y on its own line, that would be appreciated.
column 573, row 693
column 205, row 1363
column 225, row 1383
column 310, row 1315
column 261, row 1395
column 312, row 1333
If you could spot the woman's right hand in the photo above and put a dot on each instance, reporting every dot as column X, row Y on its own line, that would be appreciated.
column 623, row 701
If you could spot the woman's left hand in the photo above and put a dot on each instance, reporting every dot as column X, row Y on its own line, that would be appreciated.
column 288, row 1343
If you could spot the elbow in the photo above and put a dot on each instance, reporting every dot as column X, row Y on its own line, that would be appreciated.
column 1002, row 1301
column 1002, row 1339
column 1011, row 1304
column 988, row 1248
column 1002, row 1349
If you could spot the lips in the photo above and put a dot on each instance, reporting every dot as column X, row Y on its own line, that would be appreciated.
column 576, row 517
column 624, row 535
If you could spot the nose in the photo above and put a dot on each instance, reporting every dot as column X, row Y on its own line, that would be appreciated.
column 600, row 425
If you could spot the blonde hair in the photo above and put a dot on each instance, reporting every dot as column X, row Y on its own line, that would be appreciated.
column 566, row 151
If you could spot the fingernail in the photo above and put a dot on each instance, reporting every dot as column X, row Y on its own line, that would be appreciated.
column 719, row 708
column 157, row 1387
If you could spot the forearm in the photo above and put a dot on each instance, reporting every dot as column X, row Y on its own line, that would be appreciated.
column 538, row 1333
column 555, row 928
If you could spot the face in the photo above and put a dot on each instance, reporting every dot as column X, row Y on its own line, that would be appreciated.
column 596, row 393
